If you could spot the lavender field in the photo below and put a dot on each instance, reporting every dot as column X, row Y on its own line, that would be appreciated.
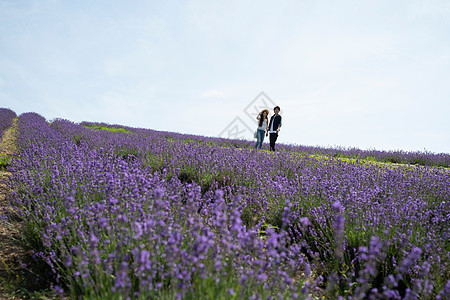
column 129, row 213
column 6, row 119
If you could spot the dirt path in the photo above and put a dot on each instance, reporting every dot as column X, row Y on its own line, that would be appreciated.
column 12, row 254
column 18, row 279
column 21, row 276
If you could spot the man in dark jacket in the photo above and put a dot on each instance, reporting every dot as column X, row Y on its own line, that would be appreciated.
column 274, row 127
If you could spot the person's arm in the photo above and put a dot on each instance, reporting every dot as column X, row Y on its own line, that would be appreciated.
column 279, row 125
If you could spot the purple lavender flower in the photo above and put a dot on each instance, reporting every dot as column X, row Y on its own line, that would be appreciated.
column 154, row 210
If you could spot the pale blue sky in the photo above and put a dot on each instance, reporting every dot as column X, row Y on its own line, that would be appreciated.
column 366, row 74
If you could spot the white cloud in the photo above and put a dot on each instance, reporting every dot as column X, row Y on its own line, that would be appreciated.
column 430, row 8
column 214, row 93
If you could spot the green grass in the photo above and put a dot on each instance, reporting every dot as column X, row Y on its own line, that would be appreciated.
column 111, row 129
column 5, row 161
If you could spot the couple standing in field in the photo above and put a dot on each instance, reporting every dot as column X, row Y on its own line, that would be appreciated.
column 266, row 127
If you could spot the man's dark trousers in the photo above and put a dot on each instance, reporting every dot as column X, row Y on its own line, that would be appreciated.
column 273, row 138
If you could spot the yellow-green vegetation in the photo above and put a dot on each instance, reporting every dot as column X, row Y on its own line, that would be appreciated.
column 5, row 160
column 184, row 141
column 112, row 129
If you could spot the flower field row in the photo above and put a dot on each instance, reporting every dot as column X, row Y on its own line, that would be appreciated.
column 424, row 158
column 137, row 213
column 6, row 119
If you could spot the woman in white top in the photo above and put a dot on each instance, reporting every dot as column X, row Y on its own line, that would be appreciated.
column 263, row 118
